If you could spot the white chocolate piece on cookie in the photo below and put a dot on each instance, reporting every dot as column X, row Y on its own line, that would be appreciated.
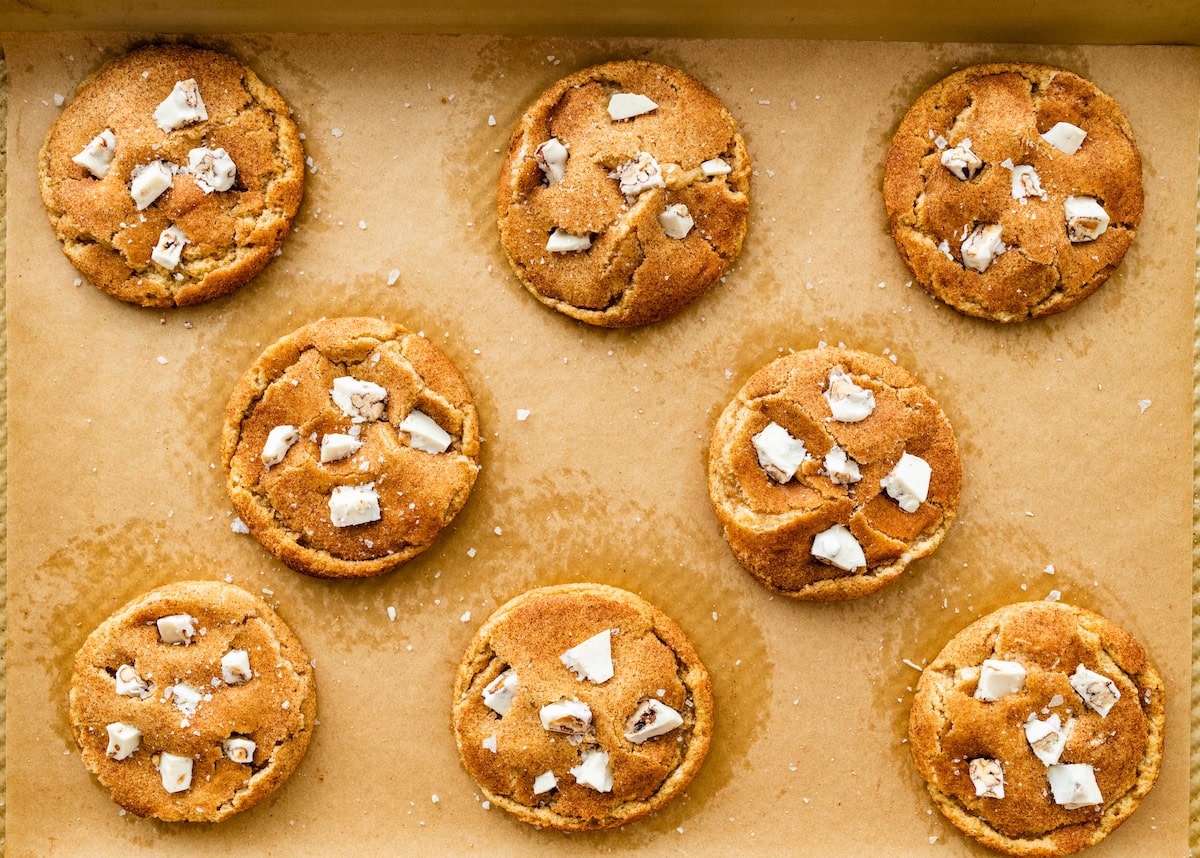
column 848, row 402
column 169, row 247
column 351, row 505
column 838, row 547
column 123, row 740
column 840, row 468
column 625, row 105
column 149, row 182
column 185, row 698
column 279, row 441
column 1026, row 183
column 361, row 401
column 182, row 107
column 551, row 157
column 177, row 629
column 240, row 750
column 651, row 718
column 998, row 678
column 235, row 667
column 335, row 447
column 591, row 659
column 98, row 154
column 1048, row 738
column 1086, row 219
column 1074, row 785
column 176, row 771
column 561, row 241
column 129, row 684
column 779, row 453
column 212, row 169
column 499, row 693
column 908, row 482
column 676, row 221
column 715, row 167
column 961, row 161
column 594, row 771
column 982, row 246
column 1065, row 137
column 571, row 717
column 544, row 782
column 641, row 173
column 987, row 776
column 424, row 433
column 1098, row 691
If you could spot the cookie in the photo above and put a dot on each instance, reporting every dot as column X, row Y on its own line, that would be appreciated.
column 624, row 195
column 348, row 446
column 192, row 702
column 581, row 707
column 1039, row 728
column 1013, row 190
column 173, row 176
column 831, row 472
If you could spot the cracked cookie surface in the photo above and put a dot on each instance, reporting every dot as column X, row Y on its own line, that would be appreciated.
column 289, row 505
column 633, row 272
column 275, row 707
column 510, row 754
column 231, row 234
column 949, row 726
column 772, row 526
column 1003, row 109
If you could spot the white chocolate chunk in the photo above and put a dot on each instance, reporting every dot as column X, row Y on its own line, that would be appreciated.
column 998, row 678
column 123, row 740
column 572, row 717
column 561, row 241
column 335, row 447
column 842, row 470
column 639, row 174
column 1086, row 219
column 1074, row 785
column 838, row 547
column 624, row 105
column 169, row 247
column 489, row 744
column 591, row 659
column 129, row 684
column 676, row 221
column 185, row 698
column 240, row 750
column 97, row 155
column 1098, row 691
column 651, row 718
column 988, row 777
column 499, row 693
column 424, row 433
column 779, row 453
column 961, row 161
column 1048, row 738
column 176, row 771
column 982, row 246
column 715, row 167
column 351, row 505
column 594, row 771
column 235, row 667
column 908, row 482
column 182, row 107
column 551, row 157
column 361, row 401
column 213, row 169
column 1026, row 183
column 149, row 183
column 177, row 629
column 279, row 441
column 848, row 402
column 544, row 782
column 1065, row 137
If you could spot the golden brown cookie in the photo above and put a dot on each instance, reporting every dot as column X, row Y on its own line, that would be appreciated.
column 624, row 194
column 581, row 707
column 1039, row 728
column 996, row 206
column 173, row 176
column 192, row 702
column 348, row 446
column 831, row 472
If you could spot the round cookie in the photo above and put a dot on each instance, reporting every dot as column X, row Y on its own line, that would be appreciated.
column 964, row 721
column 348, row 446
column 192, row 702
column 830, row 472
column 1007, row 228
column 581, row 707
column 637, row 240
column 231, row 164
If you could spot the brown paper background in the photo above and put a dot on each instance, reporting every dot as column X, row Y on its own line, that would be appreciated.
column 112, row 489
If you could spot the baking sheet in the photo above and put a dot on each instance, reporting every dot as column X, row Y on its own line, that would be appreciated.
column 114, row 486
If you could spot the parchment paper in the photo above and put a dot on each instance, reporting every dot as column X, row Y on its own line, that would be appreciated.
column 114, row 485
